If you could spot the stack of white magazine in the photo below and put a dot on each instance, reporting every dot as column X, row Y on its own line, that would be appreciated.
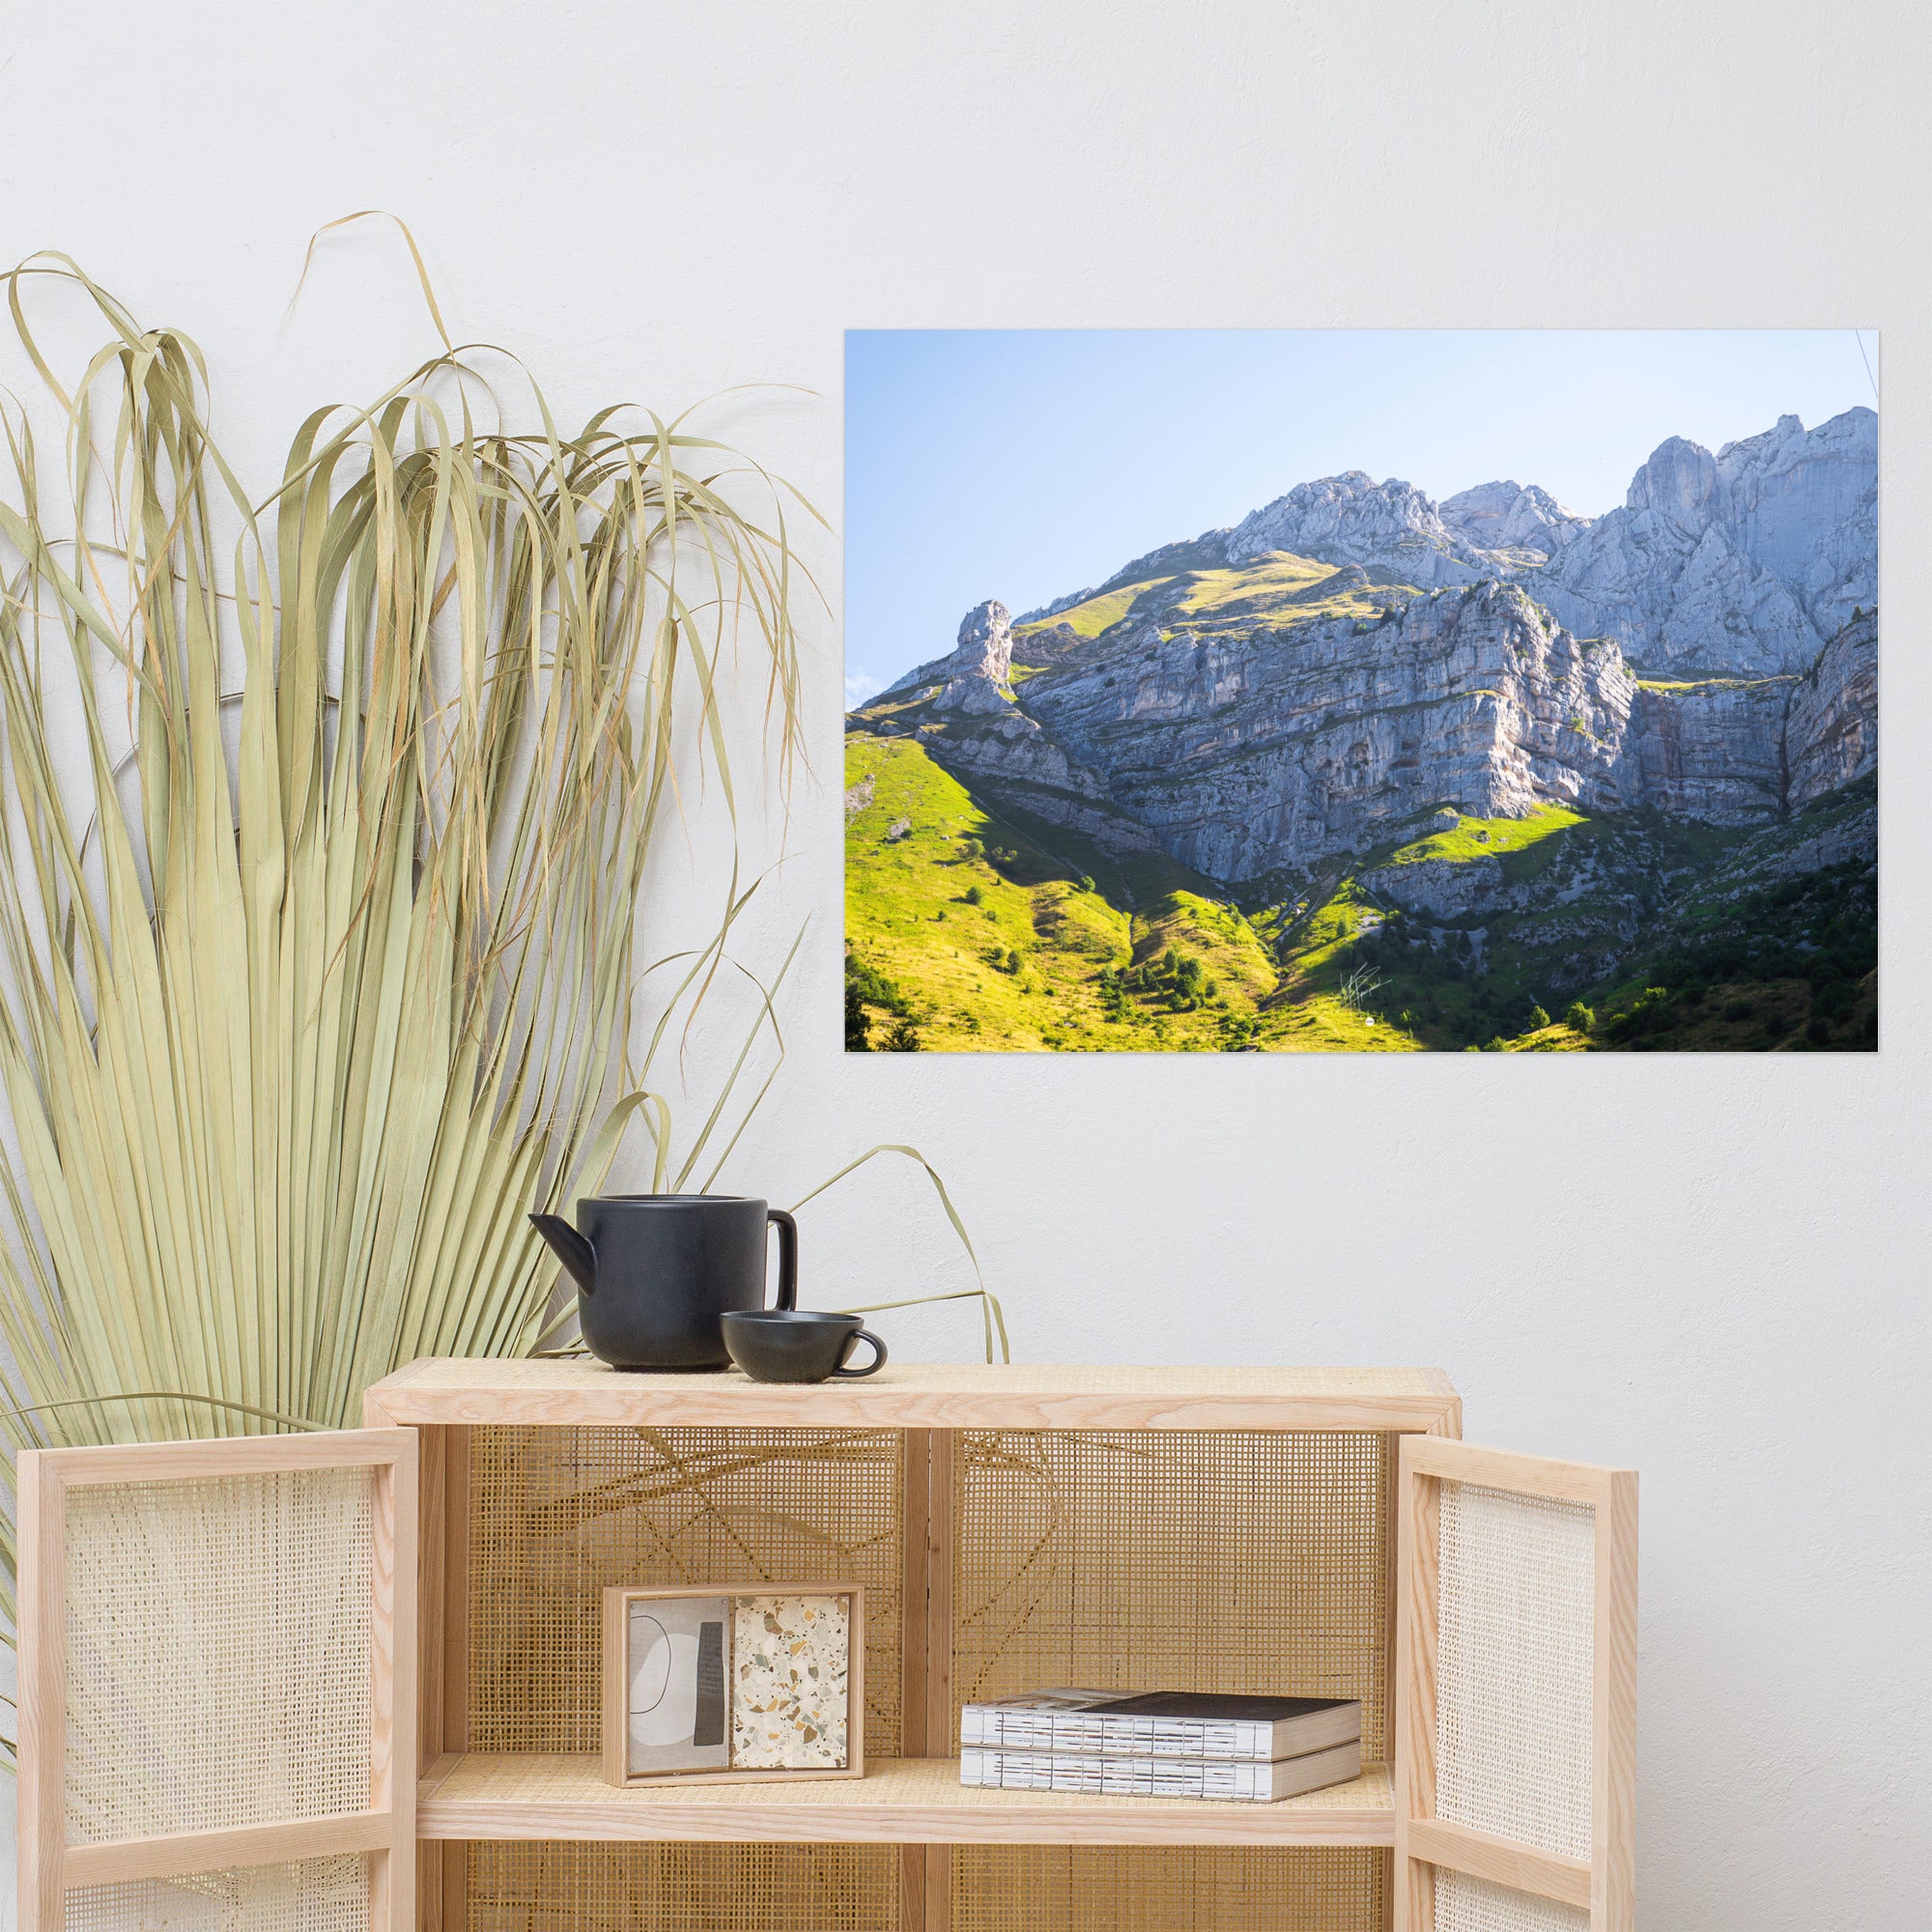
column 1162, row 1743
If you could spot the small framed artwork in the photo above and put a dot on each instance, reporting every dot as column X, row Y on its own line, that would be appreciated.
column 752, row 1685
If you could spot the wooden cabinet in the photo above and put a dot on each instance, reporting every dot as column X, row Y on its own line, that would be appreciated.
column 1318, row 1530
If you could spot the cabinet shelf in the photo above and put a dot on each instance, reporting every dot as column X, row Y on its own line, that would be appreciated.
column 899, row 1802
column 919, row 1395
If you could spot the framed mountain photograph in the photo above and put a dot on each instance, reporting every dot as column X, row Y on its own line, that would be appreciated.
column 1292, row 691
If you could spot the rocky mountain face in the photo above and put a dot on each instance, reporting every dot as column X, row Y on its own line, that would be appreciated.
column 1738, row 564
column 1743, row 565
column 973, row 675
column 1247, row 753
column 1831, row 726
column 1256, row 749
column 1353, row 657
column 1353, row 518
column 1511, row 516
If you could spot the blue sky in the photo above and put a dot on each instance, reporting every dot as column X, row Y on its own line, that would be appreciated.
column 1024, row 464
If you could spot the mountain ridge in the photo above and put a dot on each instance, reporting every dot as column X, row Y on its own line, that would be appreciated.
column 1735, row 521
column 1648, row 697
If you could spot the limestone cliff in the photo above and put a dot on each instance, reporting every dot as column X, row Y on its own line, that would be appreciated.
column 1317, row 679
column 1831, row 730
column 1257, row 746
column 1743, row 564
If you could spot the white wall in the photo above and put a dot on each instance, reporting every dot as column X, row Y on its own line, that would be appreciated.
column 1713, row 1268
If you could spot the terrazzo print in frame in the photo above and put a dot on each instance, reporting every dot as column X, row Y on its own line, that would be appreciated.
column 790, row 1682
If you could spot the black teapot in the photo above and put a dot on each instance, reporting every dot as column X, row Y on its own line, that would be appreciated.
column 656, row 1273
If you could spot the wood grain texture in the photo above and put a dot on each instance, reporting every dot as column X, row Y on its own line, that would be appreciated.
column 915, row 1467
column 912, row 1888
column 938, row 1889
column 941, row 1518
column 1505, row 1469
column 41, row 1639
column 1614, row 1764
column 613, row 1715
column 443, row 1875
column 432, row 1584
column 1500, row 1861
column 919, row 1396
column 232, row 1456
column 442, row 1633
column 925, row 1718
column 1418, row 1525
column 899, row 1802
column 394, row 1709
column 456, row 1592
column 179, row 1852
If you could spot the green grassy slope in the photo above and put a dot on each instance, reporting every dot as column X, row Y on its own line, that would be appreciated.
column 1097, row 615
column 999, row 932
column 1004, row 933
column 1279, row 589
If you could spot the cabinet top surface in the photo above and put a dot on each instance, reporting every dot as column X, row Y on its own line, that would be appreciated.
column 922, row 1396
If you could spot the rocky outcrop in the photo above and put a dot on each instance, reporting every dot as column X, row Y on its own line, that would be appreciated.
column 1249, row 750
column 1740, row 564
column 1743, row 564
column 1511, row 516
column 1805, row 506
column 1831, row 730
column 1058, row 605
column 1353, row 518
column 1440, row 888
column 1045, row 645
column 973, row 676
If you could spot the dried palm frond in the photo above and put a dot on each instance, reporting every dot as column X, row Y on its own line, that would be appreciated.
column 319, row 970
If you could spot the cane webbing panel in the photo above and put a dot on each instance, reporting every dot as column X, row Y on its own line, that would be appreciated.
column 538, row 1886
column 1514, row 1667
column 1239, row 1561
column 558, row 1514
column 1465, row 1904
column 217, row 1652
column 313, row 1895
column 1138, row 1889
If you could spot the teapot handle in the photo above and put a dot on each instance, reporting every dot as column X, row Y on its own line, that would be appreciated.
column 787, row 1256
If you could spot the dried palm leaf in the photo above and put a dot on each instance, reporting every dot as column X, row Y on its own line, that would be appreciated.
column 321, row 972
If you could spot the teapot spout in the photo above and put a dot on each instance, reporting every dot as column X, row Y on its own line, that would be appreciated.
column 570, row 1248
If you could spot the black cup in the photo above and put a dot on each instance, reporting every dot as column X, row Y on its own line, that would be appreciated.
column 792, row 1344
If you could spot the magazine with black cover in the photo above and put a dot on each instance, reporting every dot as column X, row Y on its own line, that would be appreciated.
column 1162, row 1724
column 1231, row 1781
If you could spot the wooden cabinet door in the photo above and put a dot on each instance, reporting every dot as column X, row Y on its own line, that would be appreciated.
column 217, row 1693
column 1516, row 1692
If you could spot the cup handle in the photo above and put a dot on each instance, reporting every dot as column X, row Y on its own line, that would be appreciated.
column 872, row 1367
column 787, row 1256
